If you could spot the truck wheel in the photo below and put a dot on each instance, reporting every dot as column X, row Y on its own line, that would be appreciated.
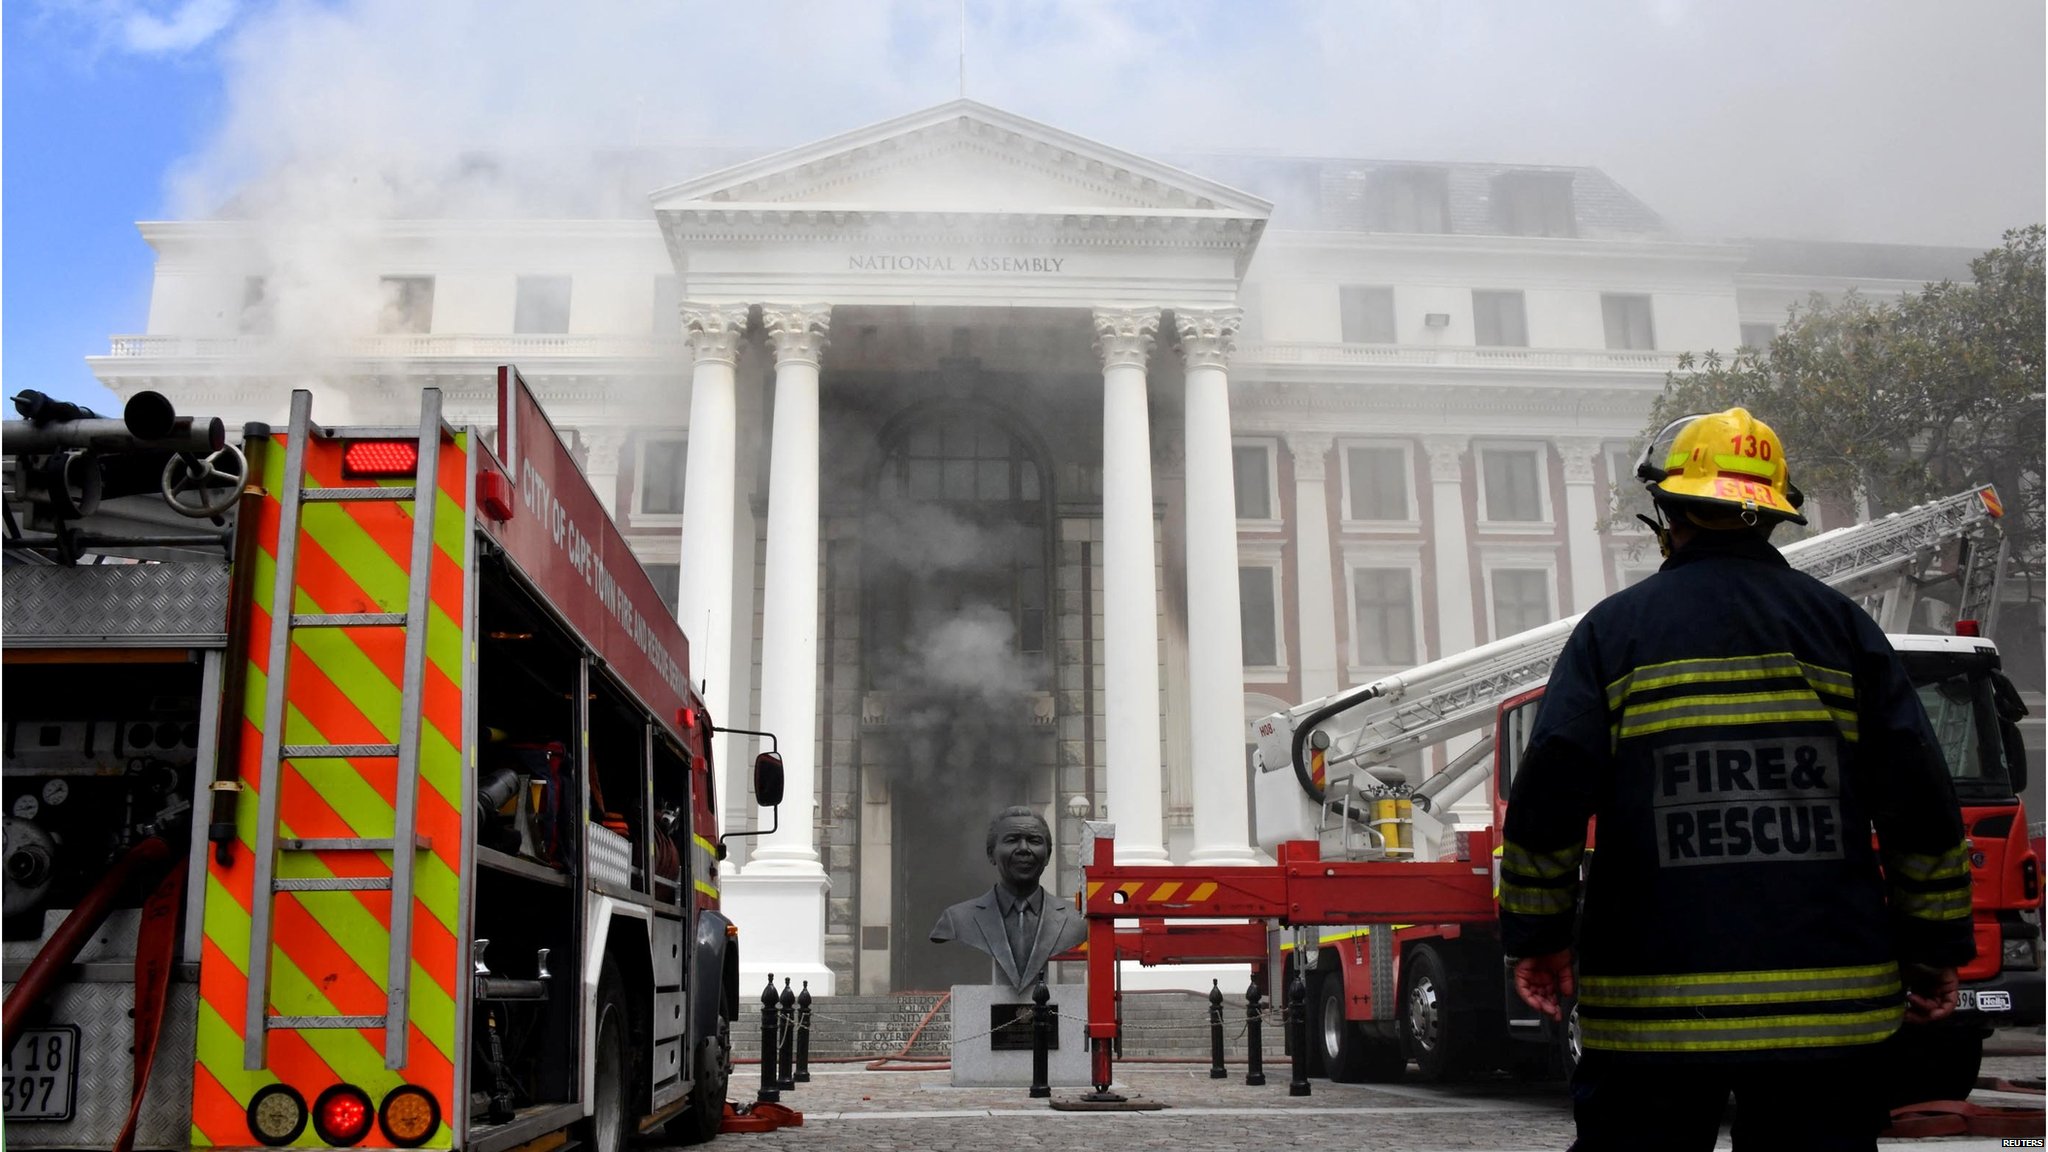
column 1347, row 1054
column 1929, row 1062
column 605, row 1130
column 701, row 1120
column 1443, row 1040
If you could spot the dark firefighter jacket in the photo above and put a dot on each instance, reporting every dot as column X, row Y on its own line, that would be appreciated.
column 1737, row 728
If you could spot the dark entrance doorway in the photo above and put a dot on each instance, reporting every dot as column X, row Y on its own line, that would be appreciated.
column 955, row 637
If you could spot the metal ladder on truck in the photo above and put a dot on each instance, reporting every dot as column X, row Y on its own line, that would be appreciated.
column 309, row 759
column 1313, row 756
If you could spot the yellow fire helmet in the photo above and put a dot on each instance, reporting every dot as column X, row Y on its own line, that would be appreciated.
column 1722, row 462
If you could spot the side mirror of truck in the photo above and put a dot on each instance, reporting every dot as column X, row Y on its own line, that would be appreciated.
column 768, row 779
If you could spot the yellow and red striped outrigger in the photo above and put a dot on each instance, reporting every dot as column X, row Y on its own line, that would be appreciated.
column 331, row 919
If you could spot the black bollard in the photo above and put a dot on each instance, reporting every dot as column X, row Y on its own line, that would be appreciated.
column 1256, row 1074
column 1041, row 1039
column 803, row 1034
column 1216, row 1070
column 769, row 1004
column 787, row 1079
column 1297, row 1023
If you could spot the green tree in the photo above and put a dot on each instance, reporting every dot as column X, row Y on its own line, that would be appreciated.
column 1882, row 405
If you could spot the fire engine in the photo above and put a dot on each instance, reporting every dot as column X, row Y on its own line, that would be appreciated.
column 1387, row 900
column 357, row 794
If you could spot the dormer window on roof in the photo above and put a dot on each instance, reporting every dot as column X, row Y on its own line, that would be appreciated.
column 1530, row 203
column 1411, row 200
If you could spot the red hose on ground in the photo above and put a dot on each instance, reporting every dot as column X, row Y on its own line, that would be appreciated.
column 64, row 944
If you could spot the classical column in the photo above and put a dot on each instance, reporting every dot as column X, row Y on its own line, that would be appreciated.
column 781, row 894
column 1315, row 592
column 1130, row 601
column 1215, row 641
column 789, row 621
column 601, row 448
column 1454, row 625
column 1582, row 538
column 704, row 603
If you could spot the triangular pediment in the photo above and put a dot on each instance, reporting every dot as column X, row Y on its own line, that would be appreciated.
column 963, row 157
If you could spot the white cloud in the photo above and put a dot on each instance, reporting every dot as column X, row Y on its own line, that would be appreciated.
column 183, row 27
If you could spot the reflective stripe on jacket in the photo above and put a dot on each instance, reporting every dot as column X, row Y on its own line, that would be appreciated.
column 1738, row 729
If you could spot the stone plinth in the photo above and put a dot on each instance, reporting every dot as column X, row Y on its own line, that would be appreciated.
column 978, row 1063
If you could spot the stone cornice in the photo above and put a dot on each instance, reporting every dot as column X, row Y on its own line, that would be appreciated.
column 1652, row 248
column 1074, row 158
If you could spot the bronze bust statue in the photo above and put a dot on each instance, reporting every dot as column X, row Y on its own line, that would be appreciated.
column 1018, row 923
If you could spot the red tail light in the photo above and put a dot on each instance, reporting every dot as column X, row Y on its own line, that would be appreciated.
column 380, row 459
column 687, row 717
column 1967, row 628
column 342, row 1115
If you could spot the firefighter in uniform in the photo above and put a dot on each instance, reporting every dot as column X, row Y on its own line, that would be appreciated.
column 1736, row 729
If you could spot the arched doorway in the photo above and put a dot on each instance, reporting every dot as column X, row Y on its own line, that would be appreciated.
column 956, row 642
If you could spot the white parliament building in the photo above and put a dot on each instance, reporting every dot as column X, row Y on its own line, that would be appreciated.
column 1008, row 467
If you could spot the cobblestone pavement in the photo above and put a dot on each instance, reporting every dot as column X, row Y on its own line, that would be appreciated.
column 846, row 1106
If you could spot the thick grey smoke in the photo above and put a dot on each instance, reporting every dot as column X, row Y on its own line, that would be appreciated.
column 1888, row 120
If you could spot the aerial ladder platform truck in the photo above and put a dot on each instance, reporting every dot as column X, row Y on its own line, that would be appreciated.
column 358, row 794
column 1382, row 901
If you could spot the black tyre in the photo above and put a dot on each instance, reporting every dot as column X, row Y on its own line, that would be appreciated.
column 1347, row 1054
column 1927, row 1062
column 1445, row 1040
column 607, row 1127
column 700, row 1121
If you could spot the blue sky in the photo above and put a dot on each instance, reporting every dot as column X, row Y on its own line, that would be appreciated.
column 89, row 130
column 1880, row 120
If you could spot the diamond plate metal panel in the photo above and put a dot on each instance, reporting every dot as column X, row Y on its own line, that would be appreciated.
column 105, row 1071
column 171, row 605
column 611, row 857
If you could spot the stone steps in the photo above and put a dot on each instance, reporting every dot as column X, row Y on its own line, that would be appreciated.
column 1157, row 1025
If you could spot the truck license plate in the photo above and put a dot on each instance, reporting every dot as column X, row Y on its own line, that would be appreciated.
column 41, row 1074
column 1968, row 999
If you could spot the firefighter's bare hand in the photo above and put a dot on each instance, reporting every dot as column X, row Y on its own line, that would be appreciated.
column 1546, row 982
column 1930, row 992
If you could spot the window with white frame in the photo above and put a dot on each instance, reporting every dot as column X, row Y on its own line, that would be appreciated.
column 1519, row 599
column 1366, row 314
column 1512, row 486
column 667, row 580
column 1627, row 319
column 255, row 317
column 1383, row 617
column 1255, row 478
column 1498, row 319
column 1377, row 483
column 660, row 474
column 1629, row 496
column 406, row 304
column 541, row 306
column 1258, row 603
